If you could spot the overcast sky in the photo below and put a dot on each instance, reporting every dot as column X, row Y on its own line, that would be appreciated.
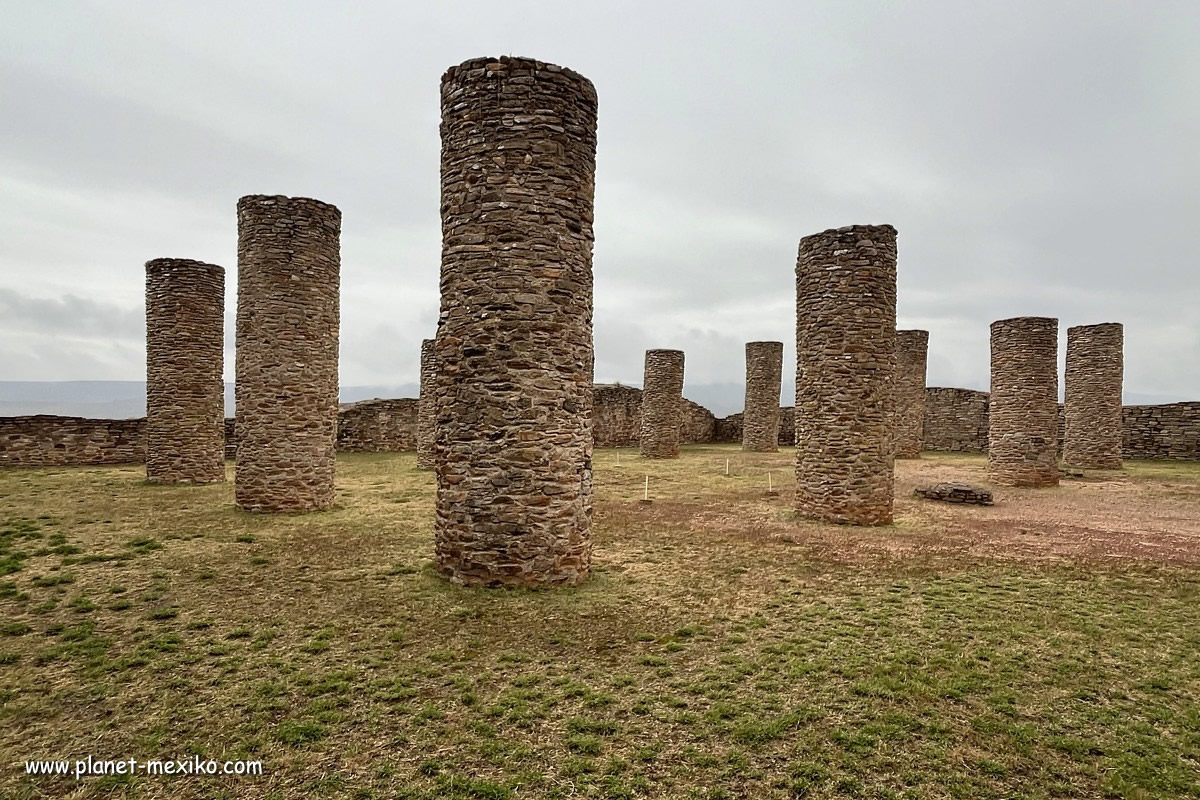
column 1037, row 158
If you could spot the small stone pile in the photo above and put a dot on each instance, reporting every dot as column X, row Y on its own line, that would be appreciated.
column 956, row 493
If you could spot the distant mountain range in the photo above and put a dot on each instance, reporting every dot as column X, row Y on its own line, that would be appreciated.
column 125, row 399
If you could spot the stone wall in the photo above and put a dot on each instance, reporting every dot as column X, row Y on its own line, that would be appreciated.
column 427, row 407
column 1094, row 376
column 616, row 415
column 45, row 440
column 1169, row 431
column 379, row 426
column 1023, row 409
column 760, row 421
column 514, row 342
column 912, row 352
column 288, row 315
column 662, row 403
column 845, row 371
column 955, row 420
column 185, row 390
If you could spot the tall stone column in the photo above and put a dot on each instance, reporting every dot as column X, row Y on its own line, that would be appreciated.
column 185, row 390
column 845, row 368
column 1023, row 407
column 912, row 354
column 426, row 410
column 760, row 414
column 662, row 403
column 514, row 341
column 1094, row 381
column 289, row 261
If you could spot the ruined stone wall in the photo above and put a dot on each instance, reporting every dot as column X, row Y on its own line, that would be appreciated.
column 912, row 353
column 426, row 410
column 1094, row 377
column 617, row 415
column 185, row 390
column 1169, row 431
column 845, row 368
column 46, row 440
column 662, row 404
column 379, row 426
column 697, row 425
column 289, row 263
column 230, row 438
column 729, row 429
column 514, row 342
column 1023, row 409
column 955, row 420
column 760, row 417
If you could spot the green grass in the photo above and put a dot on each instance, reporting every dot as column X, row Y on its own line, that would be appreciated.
column 719, row 649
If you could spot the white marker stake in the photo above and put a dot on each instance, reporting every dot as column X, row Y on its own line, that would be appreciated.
column 646, row 491
column 770, row 486
column 727, row 467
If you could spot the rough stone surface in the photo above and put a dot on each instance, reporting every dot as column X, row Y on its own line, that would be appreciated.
column 662, row 403
column 956, row 420
column 617, row 418
column 514, row 341
column 845, row 368
column 185, row 390
column 1169, row 431
column 764, row 374
column 289, row 262
column 1023, row 408
column 956, row 493
column 230, row 438
column 912, row 353
column 47, row 440
column 427, row 410
column 379, row 426
column 1094, row 376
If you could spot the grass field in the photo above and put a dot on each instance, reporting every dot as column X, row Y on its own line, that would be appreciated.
column 1048, row 646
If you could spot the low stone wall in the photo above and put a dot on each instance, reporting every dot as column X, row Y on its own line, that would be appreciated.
column 378, row 426
column 45, row 440
column 617, row 418
column 956, row 420
column 729, row 429
column 1170, row 431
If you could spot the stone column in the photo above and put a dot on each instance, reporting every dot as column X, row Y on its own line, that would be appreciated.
column 185, row 390
column 289, row 260
column 912, row 353
column 514, row 341
column 845, row 365
column 426, row 410
column 1094, row 377
column 662, row 403
column 1023, row 407
column 760, row 415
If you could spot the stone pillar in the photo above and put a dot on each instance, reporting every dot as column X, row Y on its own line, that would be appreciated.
column 289, row 260
column 845, row 365
column 514, row 342
column 662, row 403
column 912, row 353
column 1023, row 407
column 760, row 415
column 185, row 390
column 1094, row 377
column 426, row 410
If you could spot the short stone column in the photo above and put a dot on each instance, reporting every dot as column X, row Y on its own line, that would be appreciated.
column 912, row 354
column 1094, row 383
column 662, row 404
column 185, row 389
column 845, row 370
column 513, row 441
column 426, row 407
column 289, row 262
column 760, row 415
column 1023, row 406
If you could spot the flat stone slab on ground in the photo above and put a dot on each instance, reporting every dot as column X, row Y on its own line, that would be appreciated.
column 956, row 493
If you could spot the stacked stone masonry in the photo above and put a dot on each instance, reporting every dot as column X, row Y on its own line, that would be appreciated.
column 379, row 426
column 764, row 373
column 845, row 367
column 514, row 340
column 912, row 352
column 662, row 403
column 617, row 418
column 289, row 262
column 956, row 420
column 46, row 440
column 427, row 411
column 1023, row 409
column 1094, row 375
column 185, row 390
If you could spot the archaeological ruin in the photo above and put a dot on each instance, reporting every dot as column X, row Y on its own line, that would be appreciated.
column 662, row 403
column 426, row 409
column 845, row 365
column 760, row 415
column 289, row 263
column 1023, row 406
column 514, row 341
column 912, row 353
column 1094, row 376
column 185, row 389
